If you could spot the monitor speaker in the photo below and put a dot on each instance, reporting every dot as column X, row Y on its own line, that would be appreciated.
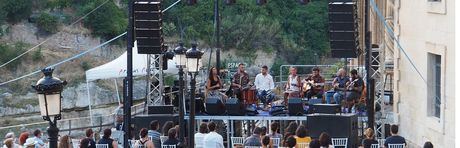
column 295, row 107
column 214, row 106
column 324, row 108
column 235, row 107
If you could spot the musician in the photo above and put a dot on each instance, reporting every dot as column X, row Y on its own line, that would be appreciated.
column 317, row 84
column 240, row 81
column 214, row 84
column 264, row 85
column 340, row 85
column 293, row 85
column 355, row 87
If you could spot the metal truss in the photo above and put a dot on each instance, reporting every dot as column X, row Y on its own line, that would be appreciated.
column 155, row 80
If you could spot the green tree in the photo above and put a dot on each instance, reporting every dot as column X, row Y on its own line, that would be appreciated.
column 16, row 10
column 47, row 23
column 108, row 21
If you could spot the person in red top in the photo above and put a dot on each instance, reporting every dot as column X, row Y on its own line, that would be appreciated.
column 314, row 84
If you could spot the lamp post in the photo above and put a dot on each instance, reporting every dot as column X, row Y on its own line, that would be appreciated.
column 49, row 91
column 193, row 56
column 181, row 61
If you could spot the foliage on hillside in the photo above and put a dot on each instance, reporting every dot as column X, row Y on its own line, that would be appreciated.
column 108, row 21
column 293, row 30
column 47, row 23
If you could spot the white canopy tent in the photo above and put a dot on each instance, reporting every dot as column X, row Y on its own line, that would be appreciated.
column 118, row 69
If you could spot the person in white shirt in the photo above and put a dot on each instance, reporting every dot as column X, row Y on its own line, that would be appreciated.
column 199, row 137
column 264, row 85
column 213, row 139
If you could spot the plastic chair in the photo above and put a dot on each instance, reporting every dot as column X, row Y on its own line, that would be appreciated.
column 150, row 138
column 252, row 147
column 276, row 141
column 381, row 142
column 102, row 146
column 375, row 146
column 302, row 145
column 396, row 145
column 339, row 142
column 237, row 140
column 132, row 143
column 168, row 146
column 75, row 143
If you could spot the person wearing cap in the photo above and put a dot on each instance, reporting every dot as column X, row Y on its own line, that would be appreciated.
column 30, row 143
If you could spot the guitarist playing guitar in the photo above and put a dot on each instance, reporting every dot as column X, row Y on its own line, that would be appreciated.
column 340, row 85
column 354, row 89
column 314, row 85
column 240, row 82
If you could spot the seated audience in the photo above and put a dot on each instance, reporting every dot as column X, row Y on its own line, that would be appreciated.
column 301, row 135
column 168, row 125
column 213, row 139
column 23, row 137
column 199, row 137
column 172, row 140
column 394, row 138
column 153, row 132
column 38, row 138
column 254, row 139
column 84, row 143
column 90, row 138
column 8, row 143
column 30, row 143
column 107, row 140
column 266, row 142
column 274, row 127
column 369, row 139
column 325, row 140
column 64, row 142
column 291, row 128
column 315, row 144
column 263, row 131
column 10, row 136
column 290, row 142
column 428, row 145
column 144, row 140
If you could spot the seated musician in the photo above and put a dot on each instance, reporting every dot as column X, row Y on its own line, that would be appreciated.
column 340, row 86
column 214, row 84
column 240, row 82
column 314, row 84
column 264, row 85
column 293, row 85
column 355, row 87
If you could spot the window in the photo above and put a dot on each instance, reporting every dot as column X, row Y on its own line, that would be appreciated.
column 434, row 85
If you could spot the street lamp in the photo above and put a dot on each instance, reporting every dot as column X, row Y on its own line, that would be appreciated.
column 181, row 61
column 193, row 56
column 49, row 91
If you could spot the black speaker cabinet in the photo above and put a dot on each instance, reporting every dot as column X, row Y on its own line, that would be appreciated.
column 214, row 106
column 143, row 121
column 295, row 107
column 324, row 108
column 235, row 107
column 337, row 126
column 161, row 109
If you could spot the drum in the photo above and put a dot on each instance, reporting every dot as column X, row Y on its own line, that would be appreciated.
column 249, row 96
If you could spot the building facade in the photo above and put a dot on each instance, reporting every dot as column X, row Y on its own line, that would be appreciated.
column 424, row 101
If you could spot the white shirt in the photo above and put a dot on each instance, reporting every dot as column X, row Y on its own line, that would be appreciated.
column 213, row 140
column 293, row 83
column 199, row 138
column 264, row 82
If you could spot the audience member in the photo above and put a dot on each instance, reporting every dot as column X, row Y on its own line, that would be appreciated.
column 394, row 138
column 286, row 136
column 38, row 138
column 291, row 128
column 144, row 140
column 107, row 140
column 8, row 143
column 90, row 138
column 266, row 143
column 168, row 125
column 291, row 142
column 315, row 144
column 64, row 142
column 172, row 137
column 23, row 137
column 199, row 137
column 84, row 143
column 10, row 136
column 153, row 132
column 30, row 143
column 274, row 127
column 254, row 139
column 213, row 139
column 428, row 144
column 325, row 140
column 263, row 131
column 301, row 135
column 369, row 139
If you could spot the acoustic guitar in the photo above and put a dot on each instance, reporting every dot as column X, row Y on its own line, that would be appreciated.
column 310, row 84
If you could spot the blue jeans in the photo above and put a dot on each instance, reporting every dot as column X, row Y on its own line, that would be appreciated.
column 338, row 96
column 265, row 96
